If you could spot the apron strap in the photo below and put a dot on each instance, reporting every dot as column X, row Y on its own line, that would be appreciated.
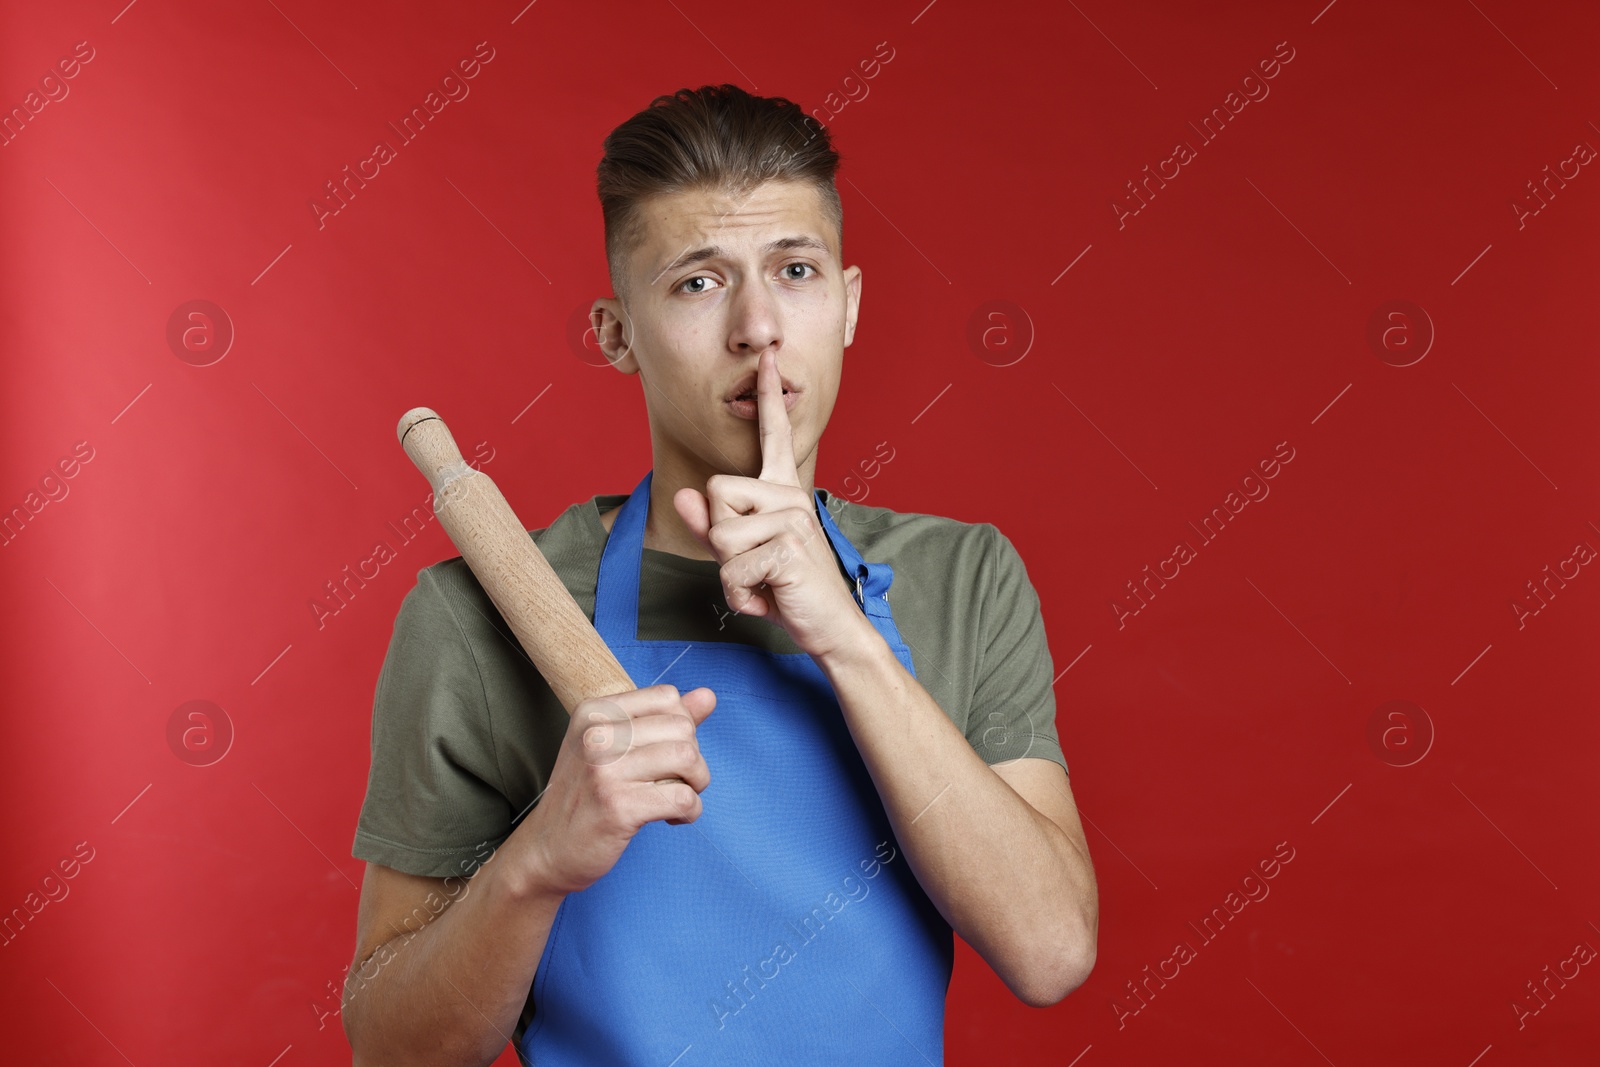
column 872, row 580
column 616, row 594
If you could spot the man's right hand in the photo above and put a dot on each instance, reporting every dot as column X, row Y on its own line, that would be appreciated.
column 626, row 760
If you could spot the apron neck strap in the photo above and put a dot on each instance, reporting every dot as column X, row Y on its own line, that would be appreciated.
column 616, row 615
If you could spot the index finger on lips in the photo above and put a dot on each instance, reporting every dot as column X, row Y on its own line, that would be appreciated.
column 777, row 436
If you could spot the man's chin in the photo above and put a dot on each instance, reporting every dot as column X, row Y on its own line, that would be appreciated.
column 742, row 459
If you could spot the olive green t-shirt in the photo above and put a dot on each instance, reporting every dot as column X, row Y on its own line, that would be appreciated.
column 465, row 730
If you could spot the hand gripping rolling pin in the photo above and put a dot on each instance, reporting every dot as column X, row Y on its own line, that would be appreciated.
column 560, row 640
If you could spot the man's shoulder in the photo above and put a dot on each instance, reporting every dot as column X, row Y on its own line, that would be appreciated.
column 881, row 533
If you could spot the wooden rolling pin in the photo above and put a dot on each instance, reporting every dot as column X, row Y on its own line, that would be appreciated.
column 550, row 625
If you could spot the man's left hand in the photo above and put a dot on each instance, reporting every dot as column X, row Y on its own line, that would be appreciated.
column 776, row 559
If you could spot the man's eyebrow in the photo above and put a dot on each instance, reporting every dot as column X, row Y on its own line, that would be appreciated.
column 782, row 244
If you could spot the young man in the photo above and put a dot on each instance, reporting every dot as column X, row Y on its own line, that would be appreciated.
column 758, row 855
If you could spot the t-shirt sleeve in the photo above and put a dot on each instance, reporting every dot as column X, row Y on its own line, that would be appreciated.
column 435, row 802
column 1014, row 703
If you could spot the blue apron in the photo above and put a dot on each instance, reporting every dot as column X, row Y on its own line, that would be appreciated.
column 784, row 925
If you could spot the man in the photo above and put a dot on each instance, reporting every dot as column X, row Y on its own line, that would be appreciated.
column 762, row 851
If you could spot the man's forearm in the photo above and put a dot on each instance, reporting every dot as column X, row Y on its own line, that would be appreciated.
column 1005, row 877
column 451, row 993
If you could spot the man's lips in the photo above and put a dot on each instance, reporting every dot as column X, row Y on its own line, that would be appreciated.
column 746, row 407
column 745, row 388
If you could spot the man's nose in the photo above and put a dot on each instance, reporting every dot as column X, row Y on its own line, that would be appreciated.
column 755, row 325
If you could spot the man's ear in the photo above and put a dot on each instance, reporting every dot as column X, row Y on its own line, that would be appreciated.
column 852, row 302
column 613, row 331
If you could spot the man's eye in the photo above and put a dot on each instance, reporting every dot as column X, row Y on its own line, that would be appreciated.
column 683, row 286
column 802, row 266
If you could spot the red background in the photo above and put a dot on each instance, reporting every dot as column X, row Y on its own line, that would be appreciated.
column 1230, row 314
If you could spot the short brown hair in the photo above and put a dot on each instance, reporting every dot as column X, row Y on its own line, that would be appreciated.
column 714, row 137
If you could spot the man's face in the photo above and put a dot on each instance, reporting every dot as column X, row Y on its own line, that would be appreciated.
column 718, row 280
